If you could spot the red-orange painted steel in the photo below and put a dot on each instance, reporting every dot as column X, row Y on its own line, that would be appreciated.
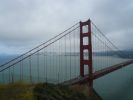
column 97, row 74
column 86, row 47
column 110, row 69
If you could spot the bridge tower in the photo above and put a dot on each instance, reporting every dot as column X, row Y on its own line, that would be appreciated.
column 86, row 49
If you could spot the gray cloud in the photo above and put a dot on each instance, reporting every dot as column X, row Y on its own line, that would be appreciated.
column 114, row 18
column 25, row 23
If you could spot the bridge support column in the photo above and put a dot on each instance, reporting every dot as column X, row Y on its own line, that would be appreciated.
column 86, row 47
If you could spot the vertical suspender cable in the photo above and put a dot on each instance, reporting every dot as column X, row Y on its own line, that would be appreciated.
column 70, row 54
column 22, row 68
column 30, row 69
column 44, row 64
column 9, row 75
column 65, row 59
column 38, row 66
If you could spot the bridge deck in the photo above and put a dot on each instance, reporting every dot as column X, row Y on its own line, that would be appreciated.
column 110, row 69
column 98, row 74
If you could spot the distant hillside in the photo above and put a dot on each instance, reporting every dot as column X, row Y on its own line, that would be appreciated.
column 121, row 54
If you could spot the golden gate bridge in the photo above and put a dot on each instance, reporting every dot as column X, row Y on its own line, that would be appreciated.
column 78, row 55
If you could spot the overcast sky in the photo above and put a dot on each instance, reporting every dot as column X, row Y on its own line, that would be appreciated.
column 26, row 23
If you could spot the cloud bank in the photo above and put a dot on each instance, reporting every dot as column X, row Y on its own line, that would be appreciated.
column 26, row 23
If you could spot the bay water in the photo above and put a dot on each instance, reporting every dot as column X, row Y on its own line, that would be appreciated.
column 117, row 85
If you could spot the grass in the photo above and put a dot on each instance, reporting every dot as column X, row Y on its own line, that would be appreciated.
column 16, row 91
column 42, row 91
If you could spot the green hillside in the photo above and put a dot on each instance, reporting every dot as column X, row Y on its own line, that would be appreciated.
column 42, row 91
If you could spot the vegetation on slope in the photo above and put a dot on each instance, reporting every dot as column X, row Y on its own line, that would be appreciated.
column 41, row 91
